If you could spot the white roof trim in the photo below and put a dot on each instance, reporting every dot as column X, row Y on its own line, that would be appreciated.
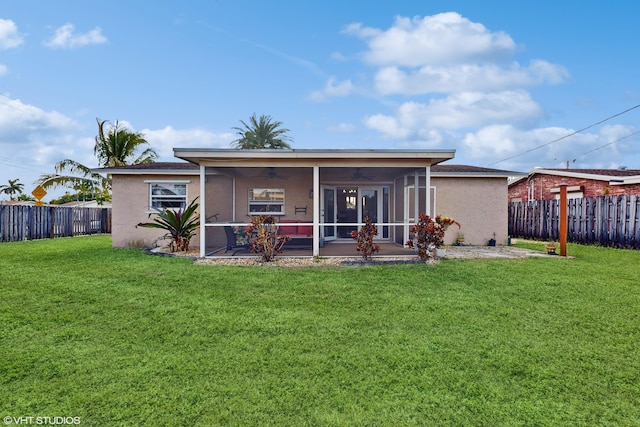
column 148, row 171
column 626, row 180
column 570, row 174
column 309, row 157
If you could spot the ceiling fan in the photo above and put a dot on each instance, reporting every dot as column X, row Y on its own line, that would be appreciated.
column 359, row 176
column 273, row 174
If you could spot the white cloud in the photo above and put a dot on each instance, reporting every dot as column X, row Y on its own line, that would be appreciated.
column 459, row 75
column 3, row 69
column 465, row 78
column 445, row 38
column 333, row 89
column 9, row 36
column 407, row 127
column 64, row 38
column 342, row 128
column 474, row 109
column 19, row 120
column 414, row 120
column 33, row 140
column 505, row 146
column 338, row 56
column 166, row 139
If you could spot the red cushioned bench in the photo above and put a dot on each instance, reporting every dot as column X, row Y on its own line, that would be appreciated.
column 301, row 235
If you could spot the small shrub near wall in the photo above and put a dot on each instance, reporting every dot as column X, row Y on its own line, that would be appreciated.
column 264, row 238
column 364, row 239
column 428, row 234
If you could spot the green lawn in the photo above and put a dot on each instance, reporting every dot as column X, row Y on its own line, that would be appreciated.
column 118, row 337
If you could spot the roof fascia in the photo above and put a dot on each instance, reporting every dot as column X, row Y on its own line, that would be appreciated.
column 122, row 171
column 257, row 158
column 628, row 180
column 570, row 174
column 474, row 175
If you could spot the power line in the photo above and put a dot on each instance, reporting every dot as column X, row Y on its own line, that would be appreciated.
column 565, row 136
column 609, row 143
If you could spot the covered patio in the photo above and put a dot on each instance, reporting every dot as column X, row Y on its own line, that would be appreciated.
column 322, row 195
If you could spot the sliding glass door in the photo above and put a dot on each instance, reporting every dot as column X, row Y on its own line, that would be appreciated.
column 351, row 205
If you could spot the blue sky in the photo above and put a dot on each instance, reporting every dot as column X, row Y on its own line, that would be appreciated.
column 499, row 81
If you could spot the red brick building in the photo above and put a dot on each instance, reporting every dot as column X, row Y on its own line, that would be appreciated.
column 544, row 184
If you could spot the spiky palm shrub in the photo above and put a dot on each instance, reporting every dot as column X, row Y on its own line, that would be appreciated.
column 181, row 225
column 264, row 238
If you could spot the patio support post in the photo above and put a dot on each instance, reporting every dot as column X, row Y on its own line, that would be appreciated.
column 233, row 199
column 427, row 190
column 316, row 211
column 203, row 215
column 416, row 196
column 405, row 195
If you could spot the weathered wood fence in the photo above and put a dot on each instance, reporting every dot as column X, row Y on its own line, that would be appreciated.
column 605, row 220
column 45, row 222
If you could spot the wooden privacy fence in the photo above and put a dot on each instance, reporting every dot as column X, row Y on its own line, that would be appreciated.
column 45, row 222
column 604, row 220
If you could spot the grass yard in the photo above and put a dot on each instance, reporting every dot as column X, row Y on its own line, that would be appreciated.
column 118, row 337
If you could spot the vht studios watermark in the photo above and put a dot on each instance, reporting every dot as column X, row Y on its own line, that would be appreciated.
column 41, row 420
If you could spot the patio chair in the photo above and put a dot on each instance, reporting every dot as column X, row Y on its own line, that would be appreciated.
column 236, row 239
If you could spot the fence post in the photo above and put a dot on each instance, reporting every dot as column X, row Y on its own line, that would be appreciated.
column 563, row 220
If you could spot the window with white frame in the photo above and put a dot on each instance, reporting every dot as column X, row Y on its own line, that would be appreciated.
column 168, row 195
column 574, row 192
column 266, row 201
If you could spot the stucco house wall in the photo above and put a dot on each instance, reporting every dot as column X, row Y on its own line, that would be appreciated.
column 130, row 206
column 475, row 197
column 478, row 204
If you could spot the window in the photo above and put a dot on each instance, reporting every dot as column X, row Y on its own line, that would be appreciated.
column 573, row 192
column 266, row 201
column 168, row 195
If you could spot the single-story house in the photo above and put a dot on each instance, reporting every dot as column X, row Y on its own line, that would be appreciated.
column 320, row 194
column 544, row 184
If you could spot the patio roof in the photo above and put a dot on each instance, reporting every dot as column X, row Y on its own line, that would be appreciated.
column 313, row 157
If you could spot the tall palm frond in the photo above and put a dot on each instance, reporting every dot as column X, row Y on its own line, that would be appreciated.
column 260, row 133
column 74, row 175
column 118, row 146
column 114, row 146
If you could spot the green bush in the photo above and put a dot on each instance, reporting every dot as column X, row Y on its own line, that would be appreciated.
column 264, row 238
column 181, row 225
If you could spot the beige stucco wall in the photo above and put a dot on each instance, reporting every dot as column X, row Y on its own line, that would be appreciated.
column 131, row 206
column 478, row 204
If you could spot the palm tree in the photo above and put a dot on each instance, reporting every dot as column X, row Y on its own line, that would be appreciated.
column 261, row 133
column 117, row 147
column 13, row 188
column 87, row 185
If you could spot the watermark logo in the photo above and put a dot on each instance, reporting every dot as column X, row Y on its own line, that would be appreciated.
column 9, row 420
